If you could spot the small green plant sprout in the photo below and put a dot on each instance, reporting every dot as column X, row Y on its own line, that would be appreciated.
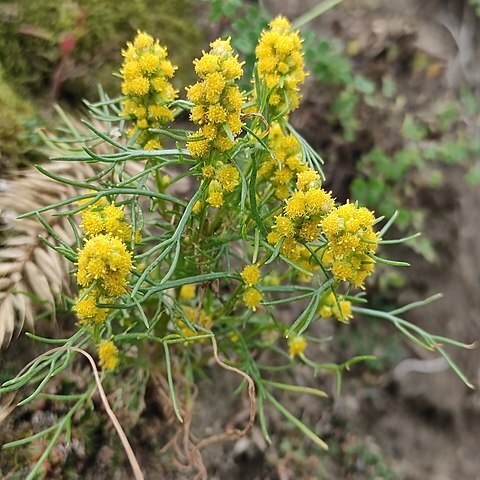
column 189, row 236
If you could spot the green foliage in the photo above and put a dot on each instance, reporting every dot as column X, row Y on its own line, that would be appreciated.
column 17, row 123
column 34, row 35
column 223, row 8
column 325, row 62
column 361, row 458
column 475, row 4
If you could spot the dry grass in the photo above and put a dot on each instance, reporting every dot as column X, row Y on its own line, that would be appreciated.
column 32, row 275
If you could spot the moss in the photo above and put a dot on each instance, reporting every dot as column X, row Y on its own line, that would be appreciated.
column 38, row 33
column 15, row 125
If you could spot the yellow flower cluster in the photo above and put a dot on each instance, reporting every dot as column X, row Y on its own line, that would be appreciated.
column 252, row 298
column 217, row 100
column 351, row 241
column 146, row 74
column 280, row 64
column 102, row 218
column 224, row 178
column 296, row 345
column 196, row 317
column 108, row 355
column 303, row 214
column 251, row 275
column 338, row 307
column 187, row 292
column 104, row 262
column 281, row 168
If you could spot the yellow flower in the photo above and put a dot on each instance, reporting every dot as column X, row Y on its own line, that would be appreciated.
column 273, row 238
column 197, row 208
column 332, row 224
column 337, row 307
column 251, row 275
column 143, row 40
column 105, row 219
column 187, row 292
column 152, row 145
column 198, row 146
column 108, row 355
column 309, row 230
column 87, row 310
column 318, row 201
column 284, row 226
column 215, row 199
column 146, row 74
column 290, row 249
column 92, row 222
column 208, row 172
column 252, row 298
column 296, row 346
column 305, row 178
column 280, row 64
column 216, row 98
column 228, row 176
column 296, row 206
column 106, row 259
column 207, row 64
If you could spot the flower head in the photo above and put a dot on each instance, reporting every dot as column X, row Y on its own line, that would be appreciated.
column 351, row 242
column 217, row 100
column 187, row 292
column 146, row 74
column 252, row 298
column 338, row 307
column 251, row 275
column 108, row 355
column 296, row 345
column 280, row 64
column 104, row 259
column 87, row 310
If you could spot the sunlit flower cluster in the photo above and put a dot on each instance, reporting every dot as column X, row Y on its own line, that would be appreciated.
column 351, row 242
column 280, row 64
column 217, row 100
column 104, row 218
column 104, row 262
column 302, row 215
column 282, row 166
column 224, row 178
column 146, row 74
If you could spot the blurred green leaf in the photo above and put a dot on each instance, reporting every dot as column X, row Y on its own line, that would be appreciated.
column 413, row 130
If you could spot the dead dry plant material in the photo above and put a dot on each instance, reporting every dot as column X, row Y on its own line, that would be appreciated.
column 32, row 275
column 187, row 450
